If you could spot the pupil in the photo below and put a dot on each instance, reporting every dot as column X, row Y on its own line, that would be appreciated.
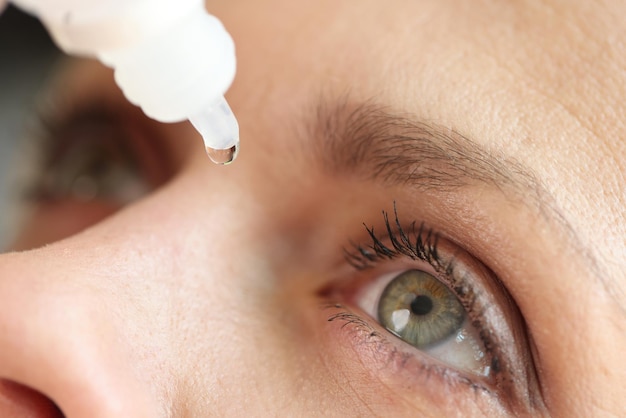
column 421, row 305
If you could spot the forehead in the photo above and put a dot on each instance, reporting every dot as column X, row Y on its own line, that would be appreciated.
column 538, row 82
column 525, row 74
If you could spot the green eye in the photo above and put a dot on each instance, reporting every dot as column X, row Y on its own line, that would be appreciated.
column 432, row 296
column 420, row 309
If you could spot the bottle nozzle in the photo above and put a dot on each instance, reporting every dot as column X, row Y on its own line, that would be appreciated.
column 219, row 130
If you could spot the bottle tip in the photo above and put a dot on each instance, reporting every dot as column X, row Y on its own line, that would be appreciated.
column 223, row 156
column 220, row 131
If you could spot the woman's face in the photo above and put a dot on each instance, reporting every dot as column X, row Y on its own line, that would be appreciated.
column 453, row 172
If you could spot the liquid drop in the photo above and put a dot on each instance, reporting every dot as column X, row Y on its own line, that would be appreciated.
column 223, row 156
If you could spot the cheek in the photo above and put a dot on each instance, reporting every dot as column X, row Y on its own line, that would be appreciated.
column 50, row 222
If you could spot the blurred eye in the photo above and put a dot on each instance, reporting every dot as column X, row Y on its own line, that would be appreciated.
column 95, row 154
column 84, row 162
column 422, row 311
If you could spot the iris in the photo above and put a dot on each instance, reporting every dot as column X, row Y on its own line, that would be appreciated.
column 420, row 309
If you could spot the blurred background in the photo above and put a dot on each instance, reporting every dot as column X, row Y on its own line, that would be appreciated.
column 27, row 56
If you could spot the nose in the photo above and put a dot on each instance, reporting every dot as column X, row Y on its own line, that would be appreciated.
column 144, row 313
column 20, row 401
column 54, row 359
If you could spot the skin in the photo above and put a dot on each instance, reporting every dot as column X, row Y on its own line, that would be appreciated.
column 205, row 297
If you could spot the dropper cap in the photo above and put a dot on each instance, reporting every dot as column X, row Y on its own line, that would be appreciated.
column 171, row 58
column 220, row 131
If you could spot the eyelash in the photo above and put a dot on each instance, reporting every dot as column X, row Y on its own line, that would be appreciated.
column 422, row 244
column 424, row 249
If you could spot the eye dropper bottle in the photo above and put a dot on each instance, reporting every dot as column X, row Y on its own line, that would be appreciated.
column 171, row 58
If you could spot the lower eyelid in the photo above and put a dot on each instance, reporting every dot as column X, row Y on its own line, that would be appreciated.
column 409, row 375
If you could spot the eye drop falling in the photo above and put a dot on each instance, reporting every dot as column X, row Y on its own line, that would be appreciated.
column 170, row 57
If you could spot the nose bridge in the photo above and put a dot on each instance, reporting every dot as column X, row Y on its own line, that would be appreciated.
column 99, row 321
column 53, row 340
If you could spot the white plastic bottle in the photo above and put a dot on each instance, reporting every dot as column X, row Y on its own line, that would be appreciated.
column 170, row 57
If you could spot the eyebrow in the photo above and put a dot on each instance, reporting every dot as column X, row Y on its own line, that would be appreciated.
column 369, row 140
column 374, row 143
